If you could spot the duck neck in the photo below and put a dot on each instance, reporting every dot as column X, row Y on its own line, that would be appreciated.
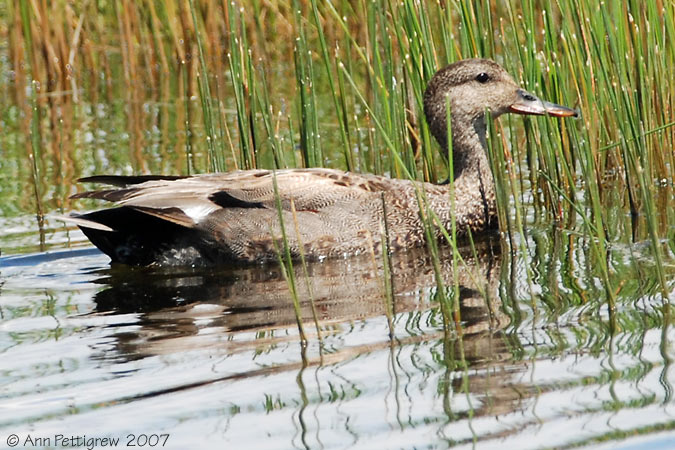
column 473, row 180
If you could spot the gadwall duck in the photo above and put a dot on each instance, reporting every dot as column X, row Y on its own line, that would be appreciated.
column 233, row 217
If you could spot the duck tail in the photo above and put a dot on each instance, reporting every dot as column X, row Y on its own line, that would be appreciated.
column 128, row 235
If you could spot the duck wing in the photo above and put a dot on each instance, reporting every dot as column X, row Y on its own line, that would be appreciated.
column 187, row 201
column 234, row 217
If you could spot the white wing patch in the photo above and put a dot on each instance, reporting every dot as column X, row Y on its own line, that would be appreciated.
column 198, row 212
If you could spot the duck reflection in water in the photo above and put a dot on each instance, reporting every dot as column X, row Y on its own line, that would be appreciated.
column 241, row 312
column 257, row 298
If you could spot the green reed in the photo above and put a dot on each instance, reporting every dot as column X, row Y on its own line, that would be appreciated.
column 212, row 136
column 627, row 68
column 286, row 263
column 265, row 106
column 339, row 103
column 387, row 270
column 35, row 130
column 310, row 140
column 305, row 270
column 350, row 95
column 239, row 60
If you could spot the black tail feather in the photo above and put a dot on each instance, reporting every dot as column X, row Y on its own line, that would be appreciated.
column 127, row 180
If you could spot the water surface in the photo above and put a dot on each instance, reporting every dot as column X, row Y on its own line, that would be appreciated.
column 214, row 355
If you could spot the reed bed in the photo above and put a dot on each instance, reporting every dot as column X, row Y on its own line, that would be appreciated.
column 339, row 84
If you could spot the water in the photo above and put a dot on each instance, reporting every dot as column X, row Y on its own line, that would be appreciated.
column 207, row 356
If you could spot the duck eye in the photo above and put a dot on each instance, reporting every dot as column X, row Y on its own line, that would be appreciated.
column 482, row 77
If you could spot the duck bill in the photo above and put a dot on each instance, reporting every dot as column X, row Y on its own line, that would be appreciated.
column 529, row 104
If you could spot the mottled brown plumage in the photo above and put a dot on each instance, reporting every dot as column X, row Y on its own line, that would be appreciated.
column 233, row 217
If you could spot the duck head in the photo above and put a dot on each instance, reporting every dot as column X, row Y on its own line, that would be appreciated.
column 473, row 87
